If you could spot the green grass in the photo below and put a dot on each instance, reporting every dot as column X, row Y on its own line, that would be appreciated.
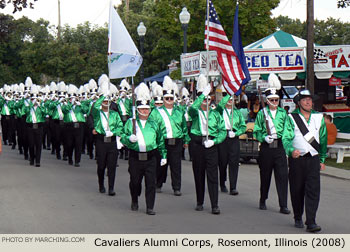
column 333, row 162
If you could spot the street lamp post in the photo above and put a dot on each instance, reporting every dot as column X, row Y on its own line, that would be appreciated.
column 141, row 31
column 184, row 17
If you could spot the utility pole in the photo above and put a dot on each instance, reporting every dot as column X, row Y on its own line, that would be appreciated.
column 310, row 46
column 59, row 20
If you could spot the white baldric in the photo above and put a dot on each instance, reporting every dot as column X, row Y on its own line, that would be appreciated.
column 169, row 130
column 140, row 138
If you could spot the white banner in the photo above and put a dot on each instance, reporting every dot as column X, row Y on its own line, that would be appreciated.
column 193, row 64
column 124, row 59
column 264, row 61
column 332, row 58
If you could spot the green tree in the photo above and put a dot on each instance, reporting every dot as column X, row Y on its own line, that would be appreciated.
column 18, row 5
column 343, row 3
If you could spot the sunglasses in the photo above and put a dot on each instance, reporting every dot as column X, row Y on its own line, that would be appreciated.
column 274, row 100
column 168, row 98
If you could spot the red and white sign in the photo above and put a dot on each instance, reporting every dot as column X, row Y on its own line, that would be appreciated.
column 194, row 64
column 332, row 58
column 334, row 81
column 264, row 61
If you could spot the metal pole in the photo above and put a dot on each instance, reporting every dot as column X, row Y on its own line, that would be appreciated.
column 207, row 68
column 59, row 20
column 184, row 27
column 141, row 49
column 310, row 46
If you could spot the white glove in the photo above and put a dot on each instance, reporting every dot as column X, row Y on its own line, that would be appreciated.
column 208, row 143
column 109, row 133
column 207, row 90
column 163, row 162
column 231, row 134
column 268, row 139
column 61, row 100
column 119, row 144
column 78, row 103
column 133, row 138
column 73, row 101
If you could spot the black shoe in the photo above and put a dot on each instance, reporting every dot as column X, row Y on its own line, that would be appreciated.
column 48, row 148
column 134, row 206
column 284, row 210
column 158, row 190
column 77, row 165
column 313, row 228
column 233, row 192
column 215, row 210
column 177, row 193
column 31, row 162
column 70, row 162
column 102, row 189
column 150, row 211
column 183, row 158
column 52, row 151
column 262, row 205
column 37, row 165
column 111, row 192
column 224, row 189
column 126, row 157
column 199, row 208
column 298, row 224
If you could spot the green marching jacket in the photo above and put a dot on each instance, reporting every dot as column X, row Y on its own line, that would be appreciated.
column 115, row 123
column 216, row 125
column 175, row 124
column 236, row 119
column 152, row 136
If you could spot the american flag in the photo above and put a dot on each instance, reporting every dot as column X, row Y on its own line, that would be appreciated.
column 230, row 66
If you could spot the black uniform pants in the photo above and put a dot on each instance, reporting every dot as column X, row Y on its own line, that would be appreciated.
column 4, row 128
column 229, row 155
column 23, row 133
column 138, row 170
column 74, row 141
column 46, row 133
column 8, row 129
column 35, row 139
column 20, row 136
column 273, row 159
column 57, row 136
column 174, row 153
column 205, row 163
column 304, row 179
column 107, row 155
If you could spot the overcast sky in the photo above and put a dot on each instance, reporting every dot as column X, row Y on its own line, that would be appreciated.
column 75, row 12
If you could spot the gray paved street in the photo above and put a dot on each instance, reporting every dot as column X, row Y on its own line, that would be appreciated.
column 58, row 198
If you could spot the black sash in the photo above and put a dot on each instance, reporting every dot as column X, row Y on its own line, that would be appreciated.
column 304, row 131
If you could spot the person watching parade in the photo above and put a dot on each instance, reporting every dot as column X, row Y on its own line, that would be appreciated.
column 207, row 131
column 144, row 138
column 229, row 149
column 305, row 142
column 269, row 126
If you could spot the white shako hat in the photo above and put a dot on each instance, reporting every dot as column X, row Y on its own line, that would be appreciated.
column 103, row 78
column 34, row 91
column 168, row 87
column 61, row 89
column 201, row 84
column 114, row 90
column 28, row 83
column 53, row 87
column 152, row 87
column 92, row 86
column 72, row 90
column 185, row 94
column 143, row 96
column 21, row 89
column 157, row 93
column 104, row 90
column 274, row 86
column 124, row 86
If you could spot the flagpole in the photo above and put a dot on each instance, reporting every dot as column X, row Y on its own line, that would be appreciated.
column 207, row 69
column 133, row 106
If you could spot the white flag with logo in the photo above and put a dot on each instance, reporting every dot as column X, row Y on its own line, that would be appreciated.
column 124, row 59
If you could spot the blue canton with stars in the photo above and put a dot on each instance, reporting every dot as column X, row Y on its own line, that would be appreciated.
column 213, row 17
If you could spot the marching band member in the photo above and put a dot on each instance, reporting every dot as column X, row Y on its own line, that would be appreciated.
column 185, row 103
column 305, row 141
column 229, row 148
column 172, row 118
column 125, row 107
column 272, row 156
column 107, row 126
column 143, row 145
column 35, row 117
column 74, row 120
column 7, row 116
column 205, row 152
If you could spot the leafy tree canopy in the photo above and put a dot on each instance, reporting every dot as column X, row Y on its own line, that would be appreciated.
column 18, row 5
